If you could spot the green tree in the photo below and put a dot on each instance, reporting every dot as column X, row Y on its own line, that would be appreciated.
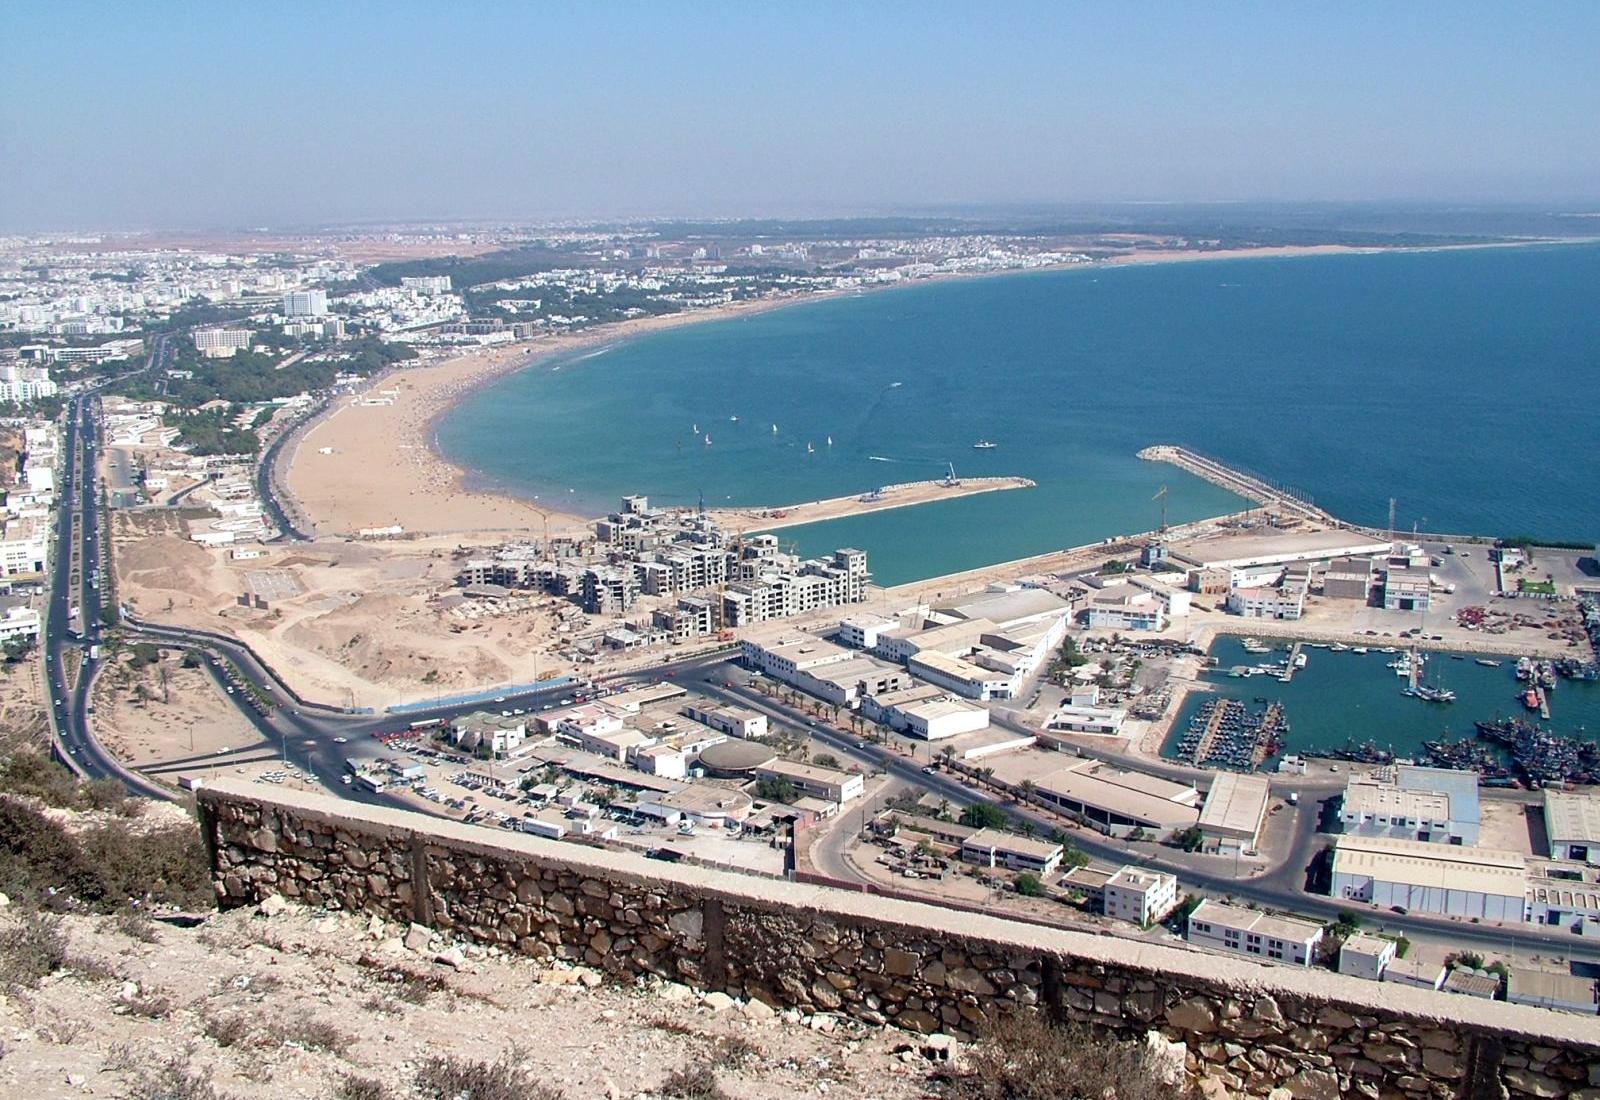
column 825, row 760
column 1029, row 886
column 1189, row 839
column 982, row 815
column 776, row 789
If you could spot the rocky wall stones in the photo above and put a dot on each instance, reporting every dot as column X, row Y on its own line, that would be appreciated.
column 1239, row 1038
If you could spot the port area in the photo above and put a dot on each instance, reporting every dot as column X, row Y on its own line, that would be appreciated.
column 903, row 495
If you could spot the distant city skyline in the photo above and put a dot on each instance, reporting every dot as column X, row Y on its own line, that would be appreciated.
column 186, row 115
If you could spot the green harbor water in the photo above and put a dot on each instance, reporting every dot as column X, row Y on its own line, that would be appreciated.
column 1346, row 698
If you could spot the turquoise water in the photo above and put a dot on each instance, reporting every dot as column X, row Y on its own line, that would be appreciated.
column 1341, row 698
column 1462, row 383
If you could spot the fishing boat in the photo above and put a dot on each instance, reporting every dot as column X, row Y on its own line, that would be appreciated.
column 1253, row 645
column 1487, row 663
column 1339, row 647
column 1360, row 649
column 1530, row 699
column 984, row 445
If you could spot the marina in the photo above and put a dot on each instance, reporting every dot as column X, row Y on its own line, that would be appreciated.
column 1348, row 703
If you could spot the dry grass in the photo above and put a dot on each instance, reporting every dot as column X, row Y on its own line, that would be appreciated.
column 1025, row 1057
column 30, row 950
column 448, row 1078
column 355, row 1087
column 310, row 1034
column 695, row 1082
column 173, row 1079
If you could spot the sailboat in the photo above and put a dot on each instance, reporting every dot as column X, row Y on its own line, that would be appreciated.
column 830, row 441
column 774, row 429
column 708, row 439
column 810, row 450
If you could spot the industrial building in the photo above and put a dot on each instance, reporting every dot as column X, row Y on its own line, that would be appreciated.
column 1406, row 589
column 1240, row 931
column 1409, row 802
column 1234, row 812
column 1222, row 563
column 1120, row 801
column 1572, row 824
column 1348, row 579
column 1430, row 878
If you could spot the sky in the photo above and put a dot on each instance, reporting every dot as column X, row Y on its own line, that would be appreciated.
column 155, row 114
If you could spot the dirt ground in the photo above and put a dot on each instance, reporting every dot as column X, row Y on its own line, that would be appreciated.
column 367, row 624
column 290, row 1004
column 155, row 713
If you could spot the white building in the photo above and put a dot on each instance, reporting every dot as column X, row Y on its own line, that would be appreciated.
column 1572, row 824
column 936, row 719
column 305, row 303
column 426, row 284
column 221, row 343
column 1414, row 970
column 1410, row 803
column 829, row 784
column 19, row 383
column 1286, row 601
column 1242, row 931
column 993, row 848
column 1431, row 878
column 20, row 621
column 1365, row 955
column 1140, row 897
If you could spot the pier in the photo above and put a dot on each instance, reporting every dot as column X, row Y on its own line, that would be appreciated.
column 1236, row 481
column 881, row 499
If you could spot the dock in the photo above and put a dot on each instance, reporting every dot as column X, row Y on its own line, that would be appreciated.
column 882, row 498
column 1294, row 662
column 1246, row 485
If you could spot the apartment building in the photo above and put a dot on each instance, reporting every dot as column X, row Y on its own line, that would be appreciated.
column 305, row 303
column 221, row 343
column 1140, row 897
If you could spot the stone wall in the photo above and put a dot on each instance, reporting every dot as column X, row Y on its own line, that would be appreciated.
column 1249, row 1027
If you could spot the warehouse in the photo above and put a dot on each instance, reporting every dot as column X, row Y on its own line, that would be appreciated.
column 1572, row 822
column 1431, row 878
column 1120, row 801
column 1234, row 812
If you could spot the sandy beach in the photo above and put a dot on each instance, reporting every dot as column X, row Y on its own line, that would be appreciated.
column 374, row 465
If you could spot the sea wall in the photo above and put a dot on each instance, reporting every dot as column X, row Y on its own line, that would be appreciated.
column 1248, row 1028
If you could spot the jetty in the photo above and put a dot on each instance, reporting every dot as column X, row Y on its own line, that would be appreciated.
column 1276, row 498
column 903, row 495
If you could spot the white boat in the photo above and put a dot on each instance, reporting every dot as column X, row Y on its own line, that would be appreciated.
column 984, row 445
column 733, row 420
column 774, row 429
column 810, row 450
column 830, row 441
column 1360, row 649
column 695, row 429
column 708, row 439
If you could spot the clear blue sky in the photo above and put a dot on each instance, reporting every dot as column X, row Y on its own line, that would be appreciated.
column 225, row 114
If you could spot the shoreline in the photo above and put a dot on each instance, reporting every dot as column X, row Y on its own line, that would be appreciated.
column 399, row 476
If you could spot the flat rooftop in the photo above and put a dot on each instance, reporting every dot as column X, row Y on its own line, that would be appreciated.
column 1236, row 805
column 1006, row 842
column 1571, row 818
column 1289, row 929
column 1266, row 549
column 1434, row 866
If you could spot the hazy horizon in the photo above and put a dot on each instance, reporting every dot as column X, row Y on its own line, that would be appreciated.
column 190, row 116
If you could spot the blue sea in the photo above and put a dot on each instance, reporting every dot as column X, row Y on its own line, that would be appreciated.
column 1463, row 384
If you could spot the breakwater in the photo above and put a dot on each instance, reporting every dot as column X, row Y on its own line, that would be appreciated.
column 1236, row 481
column 1249, row 1027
